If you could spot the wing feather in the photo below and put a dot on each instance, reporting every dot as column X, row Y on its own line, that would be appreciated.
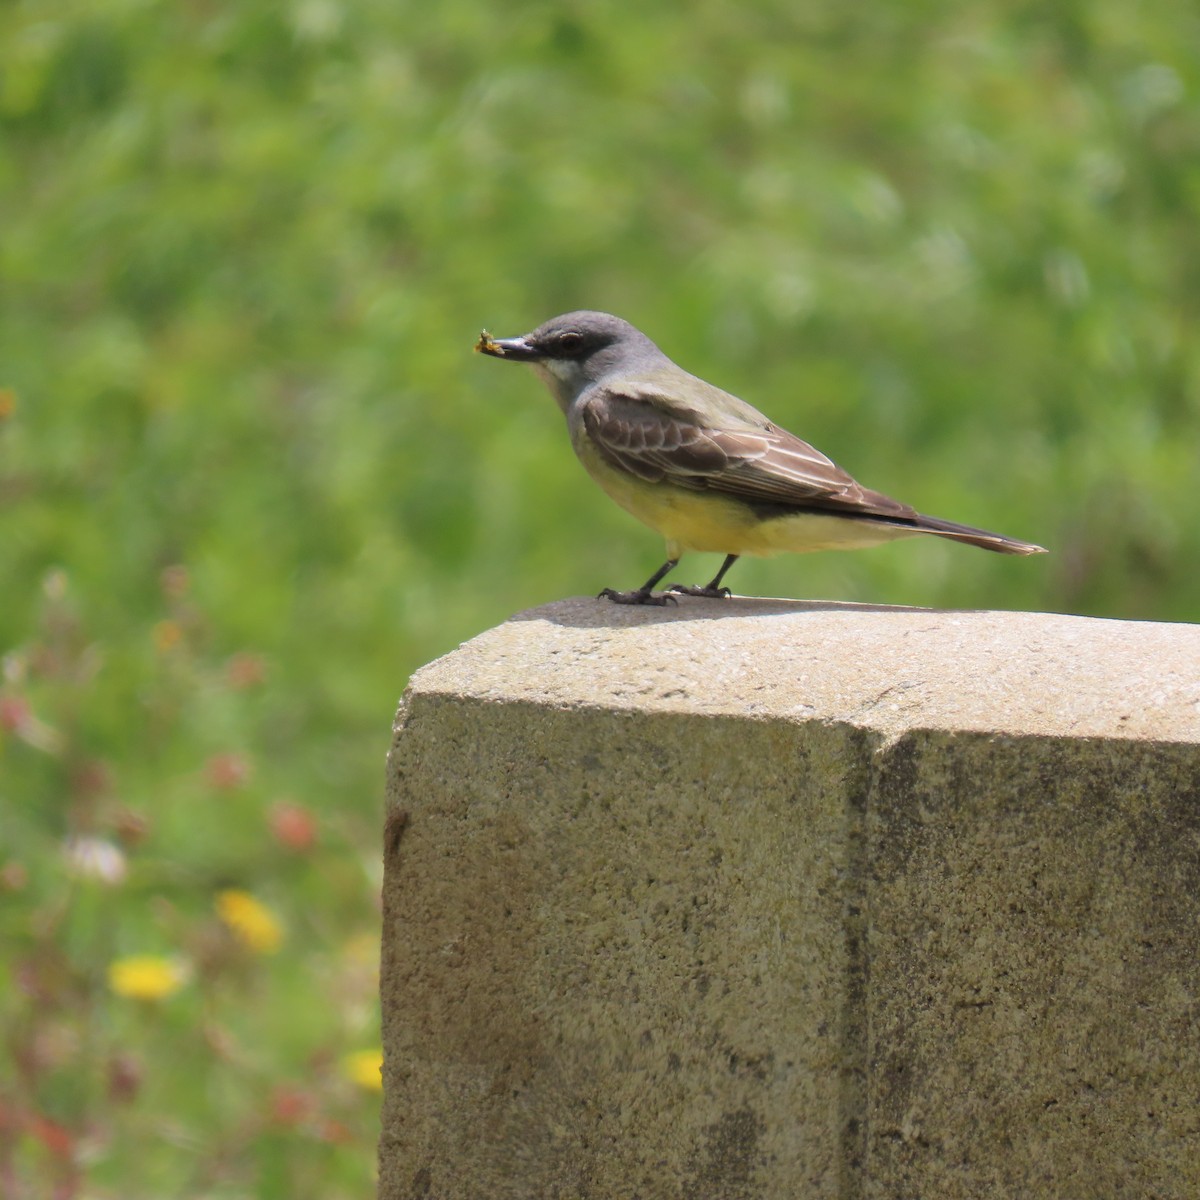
column 658, row 439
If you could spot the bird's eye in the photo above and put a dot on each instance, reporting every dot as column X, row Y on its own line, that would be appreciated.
column 571, row 342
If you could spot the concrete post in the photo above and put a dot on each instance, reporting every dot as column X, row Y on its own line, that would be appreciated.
column 779, row 900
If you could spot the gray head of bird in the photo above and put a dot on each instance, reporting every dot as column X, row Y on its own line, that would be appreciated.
column 576, row 350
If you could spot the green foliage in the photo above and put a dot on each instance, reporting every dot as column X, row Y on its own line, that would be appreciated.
column 251, row 474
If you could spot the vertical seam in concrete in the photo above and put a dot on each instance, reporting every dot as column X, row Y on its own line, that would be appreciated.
column 860, row 787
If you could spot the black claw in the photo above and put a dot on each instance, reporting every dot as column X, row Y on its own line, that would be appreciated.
column 708, row 592
column 641, row 596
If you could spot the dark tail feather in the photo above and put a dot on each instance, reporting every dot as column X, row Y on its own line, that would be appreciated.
column 975, row 537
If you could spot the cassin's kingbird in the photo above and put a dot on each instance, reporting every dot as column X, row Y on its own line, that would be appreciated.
column 700, row 466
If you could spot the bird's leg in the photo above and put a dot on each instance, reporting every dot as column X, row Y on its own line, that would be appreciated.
column 713, row 590
column 644, row 594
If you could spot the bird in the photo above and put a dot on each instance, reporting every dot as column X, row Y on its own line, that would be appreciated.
column 703, row 468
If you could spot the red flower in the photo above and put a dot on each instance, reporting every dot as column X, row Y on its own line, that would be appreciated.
column 227, row 772
column 293, row 826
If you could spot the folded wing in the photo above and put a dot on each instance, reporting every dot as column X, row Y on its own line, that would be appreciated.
column 653, row 437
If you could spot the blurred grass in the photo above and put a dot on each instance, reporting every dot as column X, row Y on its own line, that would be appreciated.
column 251, row 474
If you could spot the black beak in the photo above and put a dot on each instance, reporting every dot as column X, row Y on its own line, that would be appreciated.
column 517, row 349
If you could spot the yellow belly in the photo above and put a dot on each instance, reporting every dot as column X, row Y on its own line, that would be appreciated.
column 707, row 521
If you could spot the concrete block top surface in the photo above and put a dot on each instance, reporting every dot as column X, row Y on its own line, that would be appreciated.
column 880, row 668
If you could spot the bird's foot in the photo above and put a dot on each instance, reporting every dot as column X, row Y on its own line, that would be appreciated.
column 640, row 596
column 707, row 591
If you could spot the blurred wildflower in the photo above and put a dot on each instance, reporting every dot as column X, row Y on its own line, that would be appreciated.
column 244, row 671
column 14, row 713
column 43, row 977
column 146, row 977
column 91, row 778
column 124, row 1077
column 54, row 1043
column 166, row 636
column 293, row 826
column 8, row 403
column 336, row 1133
column 174, row 581
column 250, row 921
column 291, row 1106
column 227, row 771
column 363, row 1067
column 14, row 876
column 17, row 717
column 131, row 827
column 95, row 858
column 55, row 1138
column 222, row 1043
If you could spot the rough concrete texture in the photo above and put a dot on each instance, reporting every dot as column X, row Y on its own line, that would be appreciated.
column 785, row 900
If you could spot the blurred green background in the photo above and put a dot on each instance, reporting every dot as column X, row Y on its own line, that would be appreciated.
column 251, row 474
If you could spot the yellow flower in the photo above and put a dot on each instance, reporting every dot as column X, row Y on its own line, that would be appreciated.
column 363, row 1067
column 146, row 977
column 166, row 636
column 250, row 921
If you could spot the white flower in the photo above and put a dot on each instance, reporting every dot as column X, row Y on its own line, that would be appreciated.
column 95, row 858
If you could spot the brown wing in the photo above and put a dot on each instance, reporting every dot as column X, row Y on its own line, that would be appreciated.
column 760, row 465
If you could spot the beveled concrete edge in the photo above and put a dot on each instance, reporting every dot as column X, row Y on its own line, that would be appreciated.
column 997, row 672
